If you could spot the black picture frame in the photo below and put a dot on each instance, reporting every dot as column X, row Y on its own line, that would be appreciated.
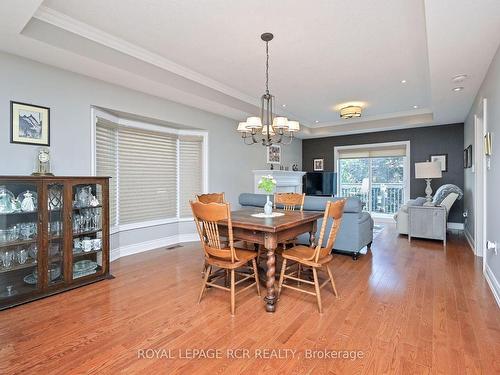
column 443, row 158
column 469, row 156
column 45, row 128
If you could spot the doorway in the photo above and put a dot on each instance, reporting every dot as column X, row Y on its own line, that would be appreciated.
column 377, row 174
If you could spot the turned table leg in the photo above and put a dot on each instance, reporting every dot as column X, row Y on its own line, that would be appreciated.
column 270, row 243
column 312, row 233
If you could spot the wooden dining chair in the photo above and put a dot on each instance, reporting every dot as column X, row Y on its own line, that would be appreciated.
column 211, row 198
column 289, row 201
column 317, row 258
column 224, row 258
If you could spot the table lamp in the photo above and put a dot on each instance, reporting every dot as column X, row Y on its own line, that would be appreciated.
column 428, row 170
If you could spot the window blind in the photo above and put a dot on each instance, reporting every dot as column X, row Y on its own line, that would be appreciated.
column 147, row 175
column 190, row 171
column 107, row 162
column 372, row 152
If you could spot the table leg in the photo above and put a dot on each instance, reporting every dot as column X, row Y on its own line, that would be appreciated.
column 270, row 243
column 312, row 233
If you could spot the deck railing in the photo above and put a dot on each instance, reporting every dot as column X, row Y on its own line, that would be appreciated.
column 384, row 198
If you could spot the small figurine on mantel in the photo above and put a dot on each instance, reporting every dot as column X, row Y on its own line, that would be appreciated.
column 42, row 163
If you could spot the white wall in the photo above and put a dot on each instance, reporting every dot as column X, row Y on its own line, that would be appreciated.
column 490, row 89
column 70, row 97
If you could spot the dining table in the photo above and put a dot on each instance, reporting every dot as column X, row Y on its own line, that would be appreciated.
column 269, row 232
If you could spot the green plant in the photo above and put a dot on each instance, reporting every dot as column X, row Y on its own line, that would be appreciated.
column 267, row 184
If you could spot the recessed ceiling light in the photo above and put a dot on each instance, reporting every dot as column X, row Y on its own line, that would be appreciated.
column 415, row 106
column 459, row 78
column 403, row 81
column 283, row 105
column 459, row 88
column 316, row 121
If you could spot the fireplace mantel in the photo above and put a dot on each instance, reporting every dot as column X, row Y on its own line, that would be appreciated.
column 287, row 181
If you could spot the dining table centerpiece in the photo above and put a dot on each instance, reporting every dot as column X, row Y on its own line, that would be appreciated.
column 267, row 184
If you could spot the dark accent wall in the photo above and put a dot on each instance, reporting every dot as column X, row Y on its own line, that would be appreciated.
column 443, row 139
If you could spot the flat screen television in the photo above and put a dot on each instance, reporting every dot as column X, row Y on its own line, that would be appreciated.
column 320, row 183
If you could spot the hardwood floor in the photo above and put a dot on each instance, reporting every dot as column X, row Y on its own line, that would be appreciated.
column 408, row 308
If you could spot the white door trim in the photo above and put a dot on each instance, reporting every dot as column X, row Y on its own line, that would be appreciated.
column 480, row 182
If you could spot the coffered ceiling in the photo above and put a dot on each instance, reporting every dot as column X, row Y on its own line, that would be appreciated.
column 326, row 53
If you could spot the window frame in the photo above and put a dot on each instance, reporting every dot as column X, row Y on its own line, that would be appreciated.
column 122, row 122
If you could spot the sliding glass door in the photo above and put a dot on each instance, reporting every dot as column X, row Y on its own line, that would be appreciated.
column 377, row 181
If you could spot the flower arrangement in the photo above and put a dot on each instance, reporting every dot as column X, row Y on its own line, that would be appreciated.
column 267, row 184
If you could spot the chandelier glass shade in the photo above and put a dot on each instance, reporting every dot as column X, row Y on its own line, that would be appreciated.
column 268, row 129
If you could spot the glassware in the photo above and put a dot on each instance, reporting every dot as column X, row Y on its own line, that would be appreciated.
column 7, row 257
column 9, row 291
column 84, row 196
column 29, row 201
column 27, row 231
column 33, row 251
column 6, row 201
column 21, row 255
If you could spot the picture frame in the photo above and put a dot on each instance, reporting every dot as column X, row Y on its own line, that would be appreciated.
column 318, row 164
column 29, row 124
column 273, row 154
column 443, row 159
column 468, row 157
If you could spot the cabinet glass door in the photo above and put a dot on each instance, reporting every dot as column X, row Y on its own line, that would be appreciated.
column 87, row 230
column 55, row 250
column 19, row 243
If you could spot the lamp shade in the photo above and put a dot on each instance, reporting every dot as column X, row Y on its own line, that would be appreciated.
column 293, row 126
column 242, row 127
column 254, row 123
column 280, row 123
column 428, row 169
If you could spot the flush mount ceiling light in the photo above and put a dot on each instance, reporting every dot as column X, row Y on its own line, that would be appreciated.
column 456, row 89
column 273, row 130
column 459, row 78
column 403, row 81
column 350, row 112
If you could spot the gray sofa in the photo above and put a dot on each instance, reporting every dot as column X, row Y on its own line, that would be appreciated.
column 356, row 230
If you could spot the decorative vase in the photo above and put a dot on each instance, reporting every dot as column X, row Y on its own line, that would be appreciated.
column 268, row 207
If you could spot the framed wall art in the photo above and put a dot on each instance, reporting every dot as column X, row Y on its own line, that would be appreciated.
column 318, row 164
column 29, row 124
column 274, row 154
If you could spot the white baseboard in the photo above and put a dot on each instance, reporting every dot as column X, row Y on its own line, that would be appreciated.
column 493, row 283
column 152, row 245
column 470, row 240
column 456, row 226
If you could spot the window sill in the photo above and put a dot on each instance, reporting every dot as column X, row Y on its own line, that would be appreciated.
column 146, row 224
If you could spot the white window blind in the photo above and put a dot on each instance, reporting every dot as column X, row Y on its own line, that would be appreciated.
column 190, row 171
column 107, row 162
column 147, row 175
column 372, row 152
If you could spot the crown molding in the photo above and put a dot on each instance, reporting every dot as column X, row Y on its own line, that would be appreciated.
column 84, row 30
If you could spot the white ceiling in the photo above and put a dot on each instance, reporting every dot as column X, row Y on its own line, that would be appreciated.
column 325, row 53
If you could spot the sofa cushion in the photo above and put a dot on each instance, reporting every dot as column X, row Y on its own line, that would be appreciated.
column 312, row 203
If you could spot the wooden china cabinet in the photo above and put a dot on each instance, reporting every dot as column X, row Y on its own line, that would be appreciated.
column 54, row 235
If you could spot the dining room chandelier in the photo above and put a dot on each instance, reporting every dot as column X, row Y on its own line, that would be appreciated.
column 267, row 129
